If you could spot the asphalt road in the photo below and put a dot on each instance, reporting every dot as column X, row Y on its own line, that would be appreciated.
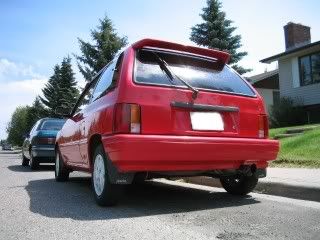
column 34, row 206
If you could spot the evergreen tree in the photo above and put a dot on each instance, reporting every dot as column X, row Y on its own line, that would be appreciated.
column 216, row 32
column 61, row 89
column 106, row 43
column 68, row 85
column 51, row 92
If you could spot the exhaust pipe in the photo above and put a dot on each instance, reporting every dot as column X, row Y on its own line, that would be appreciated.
column 248, row 170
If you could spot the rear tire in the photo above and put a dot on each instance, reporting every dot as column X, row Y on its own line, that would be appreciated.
column 34, row 163
column 239, row 185
column 105, row 193
column 24, row 161
column 60, row 171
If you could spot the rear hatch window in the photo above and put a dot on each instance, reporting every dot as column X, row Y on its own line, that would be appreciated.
column 200, row 72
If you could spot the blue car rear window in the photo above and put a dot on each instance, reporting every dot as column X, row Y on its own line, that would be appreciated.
column 52, row 125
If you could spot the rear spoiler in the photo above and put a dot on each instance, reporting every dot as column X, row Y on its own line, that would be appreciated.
column 222, row 57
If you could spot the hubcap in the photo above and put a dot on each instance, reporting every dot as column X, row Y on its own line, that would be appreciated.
column 57, row 163
column 98, row 174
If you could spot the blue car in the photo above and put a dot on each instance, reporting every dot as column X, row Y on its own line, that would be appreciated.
column 38, row 146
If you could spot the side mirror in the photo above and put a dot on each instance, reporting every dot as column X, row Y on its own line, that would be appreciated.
column 63, row 112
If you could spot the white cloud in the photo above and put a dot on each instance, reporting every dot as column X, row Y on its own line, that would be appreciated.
column 19, row 85
column 11, row 71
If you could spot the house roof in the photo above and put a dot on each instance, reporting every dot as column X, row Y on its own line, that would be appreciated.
column 294, row 50
column 267, row 80
column 262, row 76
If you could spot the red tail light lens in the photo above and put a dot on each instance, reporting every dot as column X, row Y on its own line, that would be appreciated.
column 263, row 126
column 127, row 118
column 44, row 141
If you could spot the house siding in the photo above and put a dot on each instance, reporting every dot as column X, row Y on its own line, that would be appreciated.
column 289, row 83
column 267, row 95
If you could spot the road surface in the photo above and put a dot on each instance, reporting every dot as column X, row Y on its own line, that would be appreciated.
column 34, row 206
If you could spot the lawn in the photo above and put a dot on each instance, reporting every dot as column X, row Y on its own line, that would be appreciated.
column 275, row 131
column 298, row 151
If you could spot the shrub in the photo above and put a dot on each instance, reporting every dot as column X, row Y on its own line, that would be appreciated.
column 288, row 112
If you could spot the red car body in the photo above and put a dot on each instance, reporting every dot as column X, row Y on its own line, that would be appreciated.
column 144, row 127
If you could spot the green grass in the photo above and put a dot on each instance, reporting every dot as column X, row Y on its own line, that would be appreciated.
column 275, row 131
column 298, row 151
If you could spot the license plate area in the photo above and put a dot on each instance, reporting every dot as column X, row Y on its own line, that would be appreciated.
column 206, row 121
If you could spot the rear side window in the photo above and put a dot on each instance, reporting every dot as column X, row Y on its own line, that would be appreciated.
column 108, row 79
column 201, row 73
column 52, row 125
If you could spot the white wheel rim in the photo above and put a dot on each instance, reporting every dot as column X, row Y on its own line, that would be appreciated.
column 57, row 163
column 98, row 174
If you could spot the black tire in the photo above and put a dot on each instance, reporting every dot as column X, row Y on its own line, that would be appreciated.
column 24, row 161
column 139, row 179
column 239, row 185
column 60, row 171
column 34, row 163
column 106, row 194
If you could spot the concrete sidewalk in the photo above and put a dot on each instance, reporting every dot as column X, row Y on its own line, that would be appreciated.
column 302, row 177
column 298, row 183
column 10, row 152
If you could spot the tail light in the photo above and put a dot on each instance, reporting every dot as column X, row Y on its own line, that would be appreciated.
column 44, row 141
column 127, row 118
column 263, row 126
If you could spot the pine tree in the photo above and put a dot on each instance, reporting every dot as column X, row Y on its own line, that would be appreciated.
column 216, row 32
column 38, row 110
column 68, row 84
column 51, row 92
column 61, row 89
column 106, row 43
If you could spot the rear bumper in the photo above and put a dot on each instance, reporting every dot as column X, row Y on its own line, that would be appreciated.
column 45, row 153
column 130, row 152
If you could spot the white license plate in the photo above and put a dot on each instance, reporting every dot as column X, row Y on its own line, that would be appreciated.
column 211, row 121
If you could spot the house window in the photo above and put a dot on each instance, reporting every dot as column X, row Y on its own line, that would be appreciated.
column 309, row 69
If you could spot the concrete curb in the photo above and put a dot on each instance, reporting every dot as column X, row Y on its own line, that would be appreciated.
column 11, row 152
column 303, row 192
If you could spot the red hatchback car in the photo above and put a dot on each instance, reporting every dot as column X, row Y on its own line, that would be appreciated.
column 162, row 109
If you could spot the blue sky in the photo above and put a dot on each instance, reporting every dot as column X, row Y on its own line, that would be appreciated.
column 35, row 35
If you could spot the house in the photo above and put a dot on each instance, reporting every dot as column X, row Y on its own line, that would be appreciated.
column 267, row 85
column 299, row 69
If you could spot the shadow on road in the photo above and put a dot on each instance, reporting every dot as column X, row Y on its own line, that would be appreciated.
column 74, row 199
column 290, row 191
column 42, row 168
column 270, row 188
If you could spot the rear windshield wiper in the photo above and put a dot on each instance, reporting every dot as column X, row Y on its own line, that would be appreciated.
column 165, row 67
